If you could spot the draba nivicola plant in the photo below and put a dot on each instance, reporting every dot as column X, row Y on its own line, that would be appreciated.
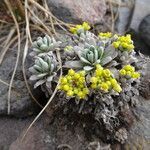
column 100, row 77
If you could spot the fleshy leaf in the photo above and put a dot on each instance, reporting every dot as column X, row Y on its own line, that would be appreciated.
column 73, row 64
column 38, row 83
column 87, row 68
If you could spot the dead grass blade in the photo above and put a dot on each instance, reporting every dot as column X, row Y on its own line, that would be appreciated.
column 18, row 52
column 7, row 44
column 5, row 83
column 40, row 21
column 49, row 13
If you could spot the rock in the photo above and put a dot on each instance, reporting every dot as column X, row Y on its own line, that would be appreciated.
column 75, row 11
column 124, row 16
column 10, row 129
column 142, row 9
column 144, row 30
column 139, row 136
column 21, row 104
column 57, row 135
column 138, row 43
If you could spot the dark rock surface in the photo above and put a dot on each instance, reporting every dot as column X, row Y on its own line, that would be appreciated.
column 10, row 129
column 144, row 30
column 139, row 43
column 78, row 10
column 46, row 136
column 139, row 136
column 21, row 104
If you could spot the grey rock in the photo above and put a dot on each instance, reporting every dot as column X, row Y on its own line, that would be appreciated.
column 138, row 43
column 144, row 30
column 141, row 9
column 46, row 136
column 21, row 104
column 78, row 10
column 10, row 129
column 139, row 136
column 124, row 16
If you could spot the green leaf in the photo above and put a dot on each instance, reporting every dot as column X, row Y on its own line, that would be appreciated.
column 90, row 57
column 106, row 60
column 38, row 83
column 38, row 68
column 41, row 75
column 87, row 68
column 95, row 54
column 50, row 78
column 39, row 41
column 85, row 60
column 44, row 47
column 34, row 77
column 73, row 64
column 45, row 39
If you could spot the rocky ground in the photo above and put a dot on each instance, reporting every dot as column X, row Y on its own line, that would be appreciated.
column 57, row 133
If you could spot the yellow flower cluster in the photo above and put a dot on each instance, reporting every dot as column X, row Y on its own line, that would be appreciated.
column 124, row 43
column 103, row 80
column 129, row 71
column 74, row 84
column 105, row 35
column 68, row 48
column 85, row 27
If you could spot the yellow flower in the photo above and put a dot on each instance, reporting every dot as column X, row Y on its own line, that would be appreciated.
column 124, row 43
column 94, row 80
column 65, row 87
column 130, row 71
column 81, row 95
column 103, row 79
column 116, row 44
column 129, row 68
column 122, row 72
column 86, row 91
column 98, row 72
column 106, row 73
column 71, row 72
column 136, row 75
column 93, row 86
column 70, row 93
column 78, row 28
column 74, row 84
column 117, row 88
column 104, row 87
column 98, row 66
column 68, row 78
column 108, row 83
column 82, row 73
column 130, row 46
column 68, row 48
column 63, row 80
column 113, row 82
column 76, row 76
column 86, row 26
column 105, row 35
column 73, row 30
